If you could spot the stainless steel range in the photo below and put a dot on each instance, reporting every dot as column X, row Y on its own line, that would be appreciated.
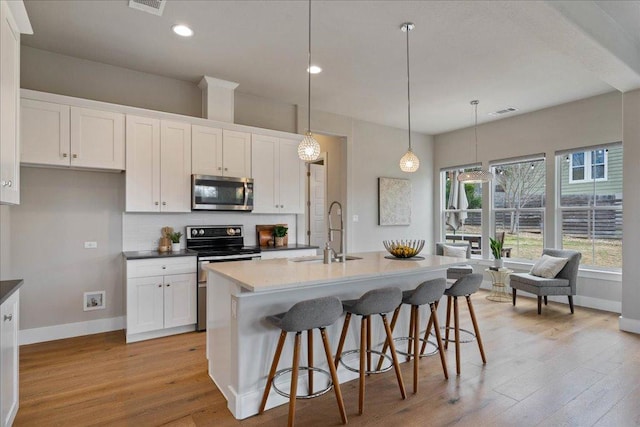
column 216, row 243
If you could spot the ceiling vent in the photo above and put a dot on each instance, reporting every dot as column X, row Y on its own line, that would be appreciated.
column 155, row 7
column 507, row 110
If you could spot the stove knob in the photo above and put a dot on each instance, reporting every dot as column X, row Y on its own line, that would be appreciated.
column 231, row 231
column 194, row 232
column 237, row 231
column 201, row 232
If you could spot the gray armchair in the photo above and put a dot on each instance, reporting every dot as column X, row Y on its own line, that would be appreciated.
column 458, row 271
column 563, row 284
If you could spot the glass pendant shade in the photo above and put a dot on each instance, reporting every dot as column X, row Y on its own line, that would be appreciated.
column 475, row 176
column 309, row 148
column 409, row 162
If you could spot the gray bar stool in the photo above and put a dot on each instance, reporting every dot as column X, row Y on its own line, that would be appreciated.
column 428, row 292
column 305, row 316
column 378, row 301
column 465, row 286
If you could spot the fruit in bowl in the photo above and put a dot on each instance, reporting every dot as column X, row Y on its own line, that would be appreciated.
column 403, row 248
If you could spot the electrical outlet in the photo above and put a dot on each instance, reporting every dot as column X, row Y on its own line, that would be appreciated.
column 90, row 245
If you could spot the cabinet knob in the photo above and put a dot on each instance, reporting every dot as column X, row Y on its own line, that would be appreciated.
column 164, row 203
column 75, row 156
column 65, row 155
column 160, row 285
column 9, row 183
column 3, row 183
column 168, row 284
column 164, row 267
column 226, row 169
column 156, row 203
column 8, row 317
column 219, row 168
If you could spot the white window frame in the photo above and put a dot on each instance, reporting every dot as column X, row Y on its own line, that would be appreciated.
column 588, row 167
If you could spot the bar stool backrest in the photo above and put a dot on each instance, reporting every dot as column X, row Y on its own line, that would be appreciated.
column 311, row 314
column 383, row 300
column 465, row 285
column 428, row 292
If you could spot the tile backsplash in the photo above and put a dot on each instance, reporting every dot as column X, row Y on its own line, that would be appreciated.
column 141, row 231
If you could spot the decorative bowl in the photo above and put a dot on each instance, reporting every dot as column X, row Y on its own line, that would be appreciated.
column 403, row 248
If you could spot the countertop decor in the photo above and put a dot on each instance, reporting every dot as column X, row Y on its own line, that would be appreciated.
column 403, row 248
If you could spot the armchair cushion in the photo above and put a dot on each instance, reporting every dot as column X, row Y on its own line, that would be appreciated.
column 548, row 266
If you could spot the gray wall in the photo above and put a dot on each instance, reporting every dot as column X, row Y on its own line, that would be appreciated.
column 5, row 243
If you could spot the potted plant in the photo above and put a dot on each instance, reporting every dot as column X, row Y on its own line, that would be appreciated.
column 496, row 249
column 175, row 240
column 279, row 233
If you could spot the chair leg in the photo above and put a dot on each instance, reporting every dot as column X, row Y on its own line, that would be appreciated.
column 448, row 323
column 412, row 319
column 394, row 356
column 416, row 345
column 343, row 335
column 539, row 305
column 545, row 300
column 310, row 359
column 571, row 303
column 363, row 345
column 294, row 380
column 514, row 296
column 334, row 375
column 434, row 317
column 476, row 329
column 272, row 371
column 456, row 326
column 394, row 319
column 368, row 343
column 428, row 331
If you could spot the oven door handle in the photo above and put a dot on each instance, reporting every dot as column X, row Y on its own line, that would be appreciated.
column 229, row 257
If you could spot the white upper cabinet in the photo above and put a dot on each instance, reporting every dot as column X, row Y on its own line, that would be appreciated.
column 59, row 135
column 158, row 177
column 10, row 112
column 220, row 152
column 278, row 175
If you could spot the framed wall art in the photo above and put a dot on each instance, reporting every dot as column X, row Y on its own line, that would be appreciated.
column 394, row 201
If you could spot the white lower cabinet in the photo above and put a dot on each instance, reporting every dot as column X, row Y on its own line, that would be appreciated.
column 9, row 359
column 161, row 297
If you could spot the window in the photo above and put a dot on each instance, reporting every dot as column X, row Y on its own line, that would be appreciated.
column 591, row 208
column 588, row 166
column 518, row 206
column 462, row 210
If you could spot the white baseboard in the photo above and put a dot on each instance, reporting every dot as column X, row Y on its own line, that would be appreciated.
column 69, row 330
column 629, row 325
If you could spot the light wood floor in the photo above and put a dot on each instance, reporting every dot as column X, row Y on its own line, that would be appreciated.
column 551, row 370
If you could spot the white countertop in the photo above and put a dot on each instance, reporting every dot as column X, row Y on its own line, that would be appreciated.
column 277, row 274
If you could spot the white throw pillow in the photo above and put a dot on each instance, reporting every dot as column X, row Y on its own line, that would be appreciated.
column 454, row 251
column 548, row 266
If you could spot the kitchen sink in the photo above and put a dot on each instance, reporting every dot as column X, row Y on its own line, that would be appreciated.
column 320, row 259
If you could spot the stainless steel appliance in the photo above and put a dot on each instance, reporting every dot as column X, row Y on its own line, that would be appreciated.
column 221, row 193
column 216, row 243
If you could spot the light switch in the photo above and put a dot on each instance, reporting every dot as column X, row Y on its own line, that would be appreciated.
column 90, row 245
column 355, row 218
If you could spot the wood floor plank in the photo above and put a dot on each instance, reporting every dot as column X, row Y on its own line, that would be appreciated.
column 551, row 369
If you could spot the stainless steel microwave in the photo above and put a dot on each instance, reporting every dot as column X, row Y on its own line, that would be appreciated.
column 221, row 193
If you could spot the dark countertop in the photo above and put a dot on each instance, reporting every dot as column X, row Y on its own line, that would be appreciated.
column 155, row 254
column 290, row 247
column 8, row 287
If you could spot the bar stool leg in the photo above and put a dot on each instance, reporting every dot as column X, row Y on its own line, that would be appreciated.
column 416, row 334
column 448, row 324
column 434, row 317
column 310, row 359
column 428, row 331
column 394, row 355
column 368, row 343
column 412, row 319
column 334, row 375
column 272, row 372
column 363, row 346
column 476, row 329
column 294, row 379
column 343, row 335
column 456, row 325
column 394, row 319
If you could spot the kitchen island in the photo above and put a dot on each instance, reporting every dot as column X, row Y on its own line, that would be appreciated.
column 241, row 344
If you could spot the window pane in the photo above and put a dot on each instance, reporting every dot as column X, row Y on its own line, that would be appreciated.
column 609, row 191
column 520, row 185
column 460, row 199
column 597, row 172
column 577, row 159
column 523, row 233
column 597, row 234
column 577, row 174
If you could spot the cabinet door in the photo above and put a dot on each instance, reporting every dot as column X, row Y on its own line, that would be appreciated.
column 175, row 167
column 97, row 139
column 264, row 155
column 143, row 165
column 206, row 150
column 236, row 154
column 44, row 133
column 145, row 304
column 9, row 359
column 180, row 300
column 9, row 102
column 291, row 178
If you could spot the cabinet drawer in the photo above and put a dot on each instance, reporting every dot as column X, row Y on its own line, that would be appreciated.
column 161, row 266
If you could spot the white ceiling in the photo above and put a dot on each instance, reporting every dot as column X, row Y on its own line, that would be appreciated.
column 502, row 53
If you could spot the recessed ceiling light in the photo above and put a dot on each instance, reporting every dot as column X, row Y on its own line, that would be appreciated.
column 314, row 69
column 182, row 30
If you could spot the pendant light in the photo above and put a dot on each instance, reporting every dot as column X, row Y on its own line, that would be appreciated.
column 478, row 175
column 409, row 162
column 309, row 149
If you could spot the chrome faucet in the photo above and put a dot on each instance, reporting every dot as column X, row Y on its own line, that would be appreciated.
column 342, row 255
